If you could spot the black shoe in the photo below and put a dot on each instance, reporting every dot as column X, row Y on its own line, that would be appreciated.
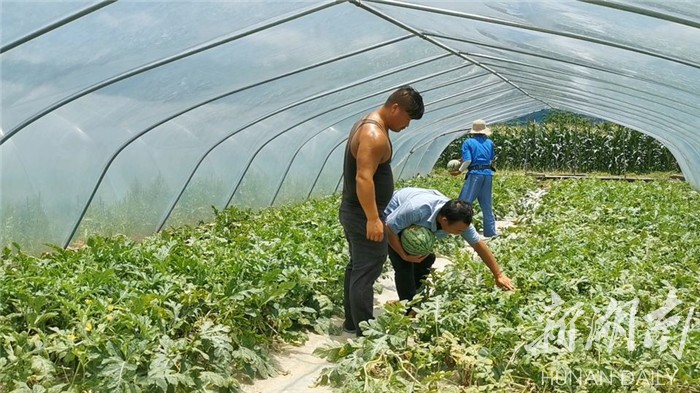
column 348, row 330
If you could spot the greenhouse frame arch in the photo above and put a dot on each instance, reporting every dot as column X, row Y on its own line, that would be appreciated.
column 192, row 105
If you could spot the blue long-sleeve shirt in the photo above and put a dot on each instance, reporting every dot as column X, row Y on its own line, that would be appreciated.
column 421, row 206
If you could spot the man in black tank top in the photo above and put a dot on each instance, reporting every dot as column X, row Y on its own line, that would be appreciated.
column 368, row 184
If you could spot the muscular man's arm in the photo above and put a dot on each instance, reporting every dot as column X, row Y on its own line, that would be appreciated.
column 372, row 149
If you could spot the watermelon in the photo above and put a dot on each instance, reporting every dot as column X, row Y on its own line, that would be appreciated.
column 453, row 165
column 417, row 240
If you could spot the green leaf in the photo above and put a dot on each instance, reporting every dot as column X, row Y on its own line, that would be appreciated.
column 116, row 372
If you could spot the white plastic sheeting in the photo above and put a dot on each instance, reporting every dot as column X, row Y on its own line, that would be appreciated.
column 173, row 107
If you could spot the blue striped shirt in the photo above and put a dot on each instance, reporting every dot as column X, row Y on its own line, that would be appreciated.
column 421, row 206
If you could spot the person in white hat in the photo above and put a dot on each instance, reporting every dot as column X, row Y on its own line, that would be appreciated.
column 478, row 153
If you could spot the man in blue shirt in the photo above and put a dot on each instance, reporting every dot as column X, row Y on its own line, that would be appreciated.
column 443, row 216
column 477, row 155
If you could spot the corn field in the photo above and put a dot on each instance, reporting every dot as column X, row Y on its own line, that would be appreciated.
column 566, row 142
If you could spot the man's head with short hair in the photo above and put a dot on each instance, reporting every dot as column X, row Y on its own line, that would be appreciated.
column 402, row 106
column 457, row 210
column 409, row 100
column 455, row 216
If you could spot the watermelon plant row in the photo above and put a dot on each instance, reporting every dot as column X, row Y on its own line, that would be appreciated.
column 607, row 300
column 190, row 309
column 201, row 308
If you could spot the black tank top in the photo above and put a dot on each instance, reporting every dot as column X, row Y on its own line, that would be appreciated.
column 383, row 177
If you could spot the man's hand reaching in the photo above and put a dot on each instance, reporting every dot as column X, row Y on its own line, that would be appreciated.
column 502, row 281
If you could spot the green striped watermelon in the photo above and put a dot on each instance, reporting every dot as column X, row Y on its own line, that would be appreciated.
column 417, row 240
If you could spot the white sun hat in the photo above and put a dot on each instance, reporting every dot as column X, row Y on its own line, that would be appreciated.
column 479, row 127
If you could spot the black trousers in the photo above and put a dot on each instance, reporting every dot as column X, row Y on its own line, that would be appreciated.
column 366, row 262
column 408, row 275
